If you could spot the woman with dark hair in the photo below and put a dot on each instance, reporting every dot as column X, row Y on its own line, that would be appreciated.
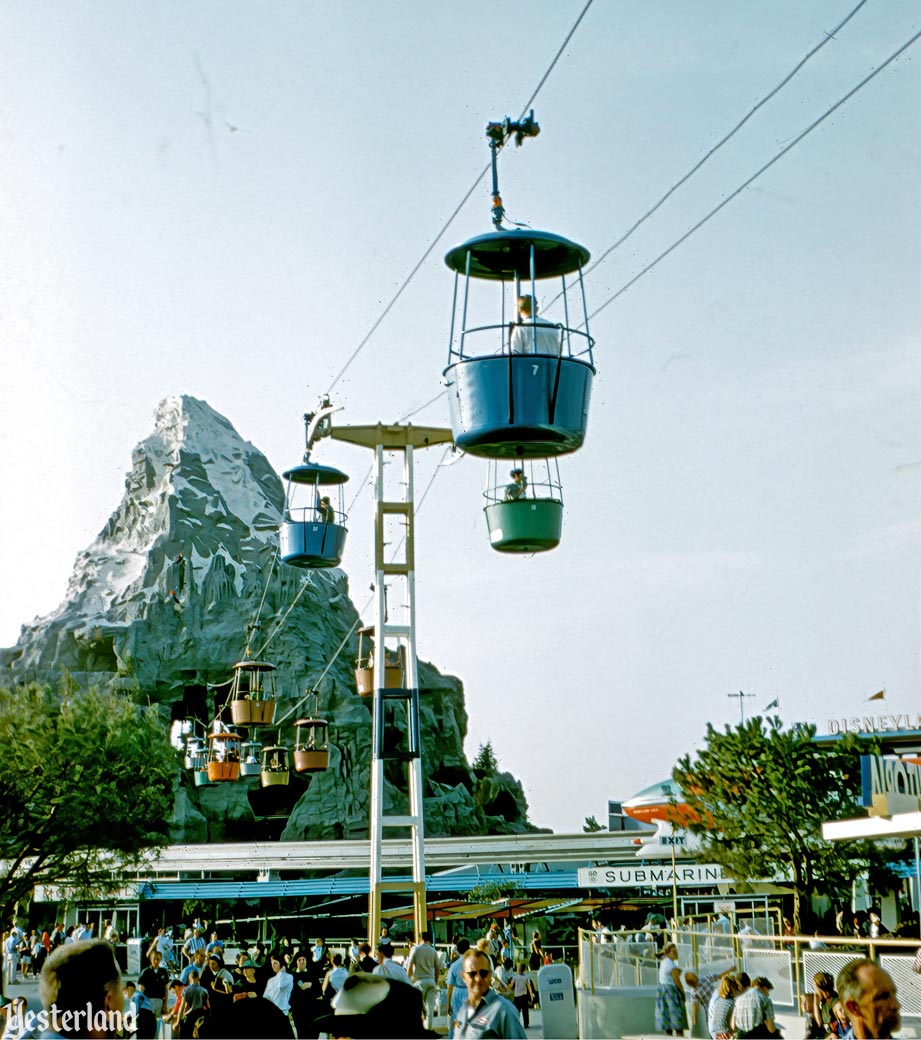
column 278, row 988
column 305, row 996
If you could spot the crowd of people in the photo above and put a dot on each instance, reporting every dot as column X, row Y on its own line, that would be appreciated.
column 24, row 954
column 861, row 1003
column 189, row 988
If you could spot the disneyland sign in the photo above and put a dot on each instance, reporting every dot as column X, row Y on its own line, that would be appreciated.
column 874, row 724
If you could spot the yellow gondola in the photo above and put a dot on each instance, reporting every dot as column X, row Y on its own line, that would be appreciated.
column 275, row 771
column 223, row 757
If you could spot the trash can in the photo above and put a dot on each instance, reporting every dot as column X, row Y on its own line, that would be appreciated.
column 135, row 957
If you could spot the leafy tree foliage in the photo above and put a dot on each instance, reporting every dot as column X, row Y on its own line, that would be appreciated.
column 86, row 785
column 486, row 761
column 591, row 825
column 757, row 795
column 494, row 891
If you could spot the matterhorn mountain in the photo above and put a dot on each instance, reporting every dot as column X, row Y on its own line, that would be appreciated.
column 182, row 578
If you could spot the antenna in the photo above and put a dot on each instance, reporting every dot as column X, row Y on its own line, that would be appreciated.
column 741, row 697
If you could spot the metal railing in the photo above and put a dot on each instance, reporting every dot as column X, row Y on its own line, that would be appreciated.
column 789, row 961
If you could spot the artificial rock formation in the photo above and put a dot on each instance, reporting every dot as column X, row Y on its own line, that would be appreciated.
column 162, row 605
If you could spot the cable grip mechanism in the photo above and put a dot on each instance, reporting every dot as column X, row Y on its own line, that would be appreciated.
column 498, row 135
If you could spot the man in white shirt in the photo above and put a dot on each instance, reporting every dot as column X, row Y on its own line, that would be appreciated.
column 11, row 956
column 387, row 966
column 422, row 968
column 533, row 335
column 335, row 977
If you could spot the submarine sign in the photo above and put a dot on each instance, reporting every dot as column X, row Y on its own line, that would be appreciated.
column 688, row 875
column 889, row 785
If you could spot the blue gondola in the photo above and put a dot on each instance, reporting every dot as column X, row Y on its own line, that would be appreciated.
column 519, row 384
column 313, row 530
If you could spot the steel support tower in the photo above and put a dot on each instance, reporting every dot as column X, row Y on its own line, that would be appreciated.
column 392, row 741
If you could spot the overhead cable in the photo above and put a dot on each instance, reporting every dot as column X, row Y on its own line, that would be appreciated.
column 458, row 208
column 825, row 39
column 255, row 624
column 796, row 140
column 421, row 407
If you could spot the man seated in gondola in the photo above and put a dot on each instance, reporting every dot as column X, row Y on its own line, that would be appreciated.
column 518, row 486
column 326, row 512
column 533, row 335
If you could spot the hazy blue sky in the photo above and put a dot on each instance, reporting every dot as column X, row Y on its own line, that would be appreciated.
column 220, row 199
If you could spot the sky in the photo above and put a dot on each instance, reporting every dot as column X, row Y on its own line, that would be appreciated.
column 221, row 199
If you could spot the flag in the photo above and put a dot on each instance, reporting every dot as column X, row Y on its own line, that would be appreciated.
column 881, row 696
column 775, row 703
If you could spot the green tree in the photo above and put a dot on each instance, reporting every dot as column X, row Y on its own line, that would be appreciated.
column 758, row 796
column 495, row 891
column 86, row 786
column 591, row 825
column 486, row 761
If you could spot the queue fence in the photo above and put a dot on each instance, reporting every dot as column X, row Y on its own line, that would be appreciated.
column 790, row 962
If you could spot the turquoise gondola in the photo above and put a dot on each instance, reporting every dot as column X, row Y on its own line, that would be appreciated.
column 525, row 515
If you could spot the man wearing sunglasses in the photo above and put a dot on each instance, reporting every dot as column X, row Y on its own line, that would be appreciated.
column 485, row 1013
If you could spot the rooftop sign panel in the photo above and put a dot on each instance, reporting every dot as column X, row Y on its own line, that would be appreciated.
column 889, row 785
column 684, row 875
column 875, row 724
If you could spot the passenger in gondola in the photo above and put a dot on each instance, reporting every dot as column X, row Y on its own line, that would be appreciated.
column 325, row 511
column 533, row 335
column 518, row 486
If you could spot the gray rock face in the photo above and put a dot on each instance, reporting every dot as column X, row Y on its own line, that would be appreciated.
column 162, row 605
